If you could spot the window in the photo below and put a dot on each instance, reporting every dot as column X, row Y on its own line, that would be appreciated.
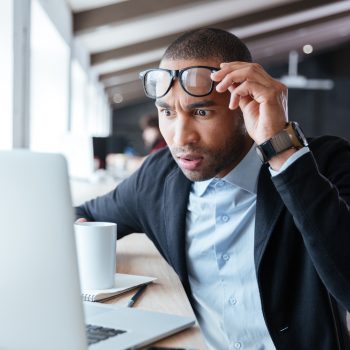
column 97, row 111
column 90, row 108
column 6, row 73
column 49, row 73
column 79, row 99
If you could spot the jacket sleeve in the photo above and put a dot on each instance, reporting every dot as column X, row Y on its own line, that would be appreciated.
column 119, row 206
column 316, row 191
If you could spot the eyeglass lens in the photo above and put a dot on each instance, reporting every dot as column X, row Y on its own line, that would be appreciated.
column 196, row 81
column 157, row 82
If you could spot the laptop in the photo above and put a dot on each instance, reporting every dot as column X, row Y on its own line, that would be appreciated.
column 40, row 302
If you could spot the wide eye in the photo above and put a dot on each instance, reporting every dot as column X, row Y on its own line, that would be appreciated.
column 166, row 112
column 201, row 112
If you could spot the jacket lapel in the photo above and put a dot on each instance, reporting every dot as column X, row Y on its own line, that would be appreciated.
column 176, row 194
column 268, row 208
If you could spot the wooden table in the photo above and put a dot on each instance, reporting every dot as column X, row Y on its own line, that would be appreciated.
column 137, row 255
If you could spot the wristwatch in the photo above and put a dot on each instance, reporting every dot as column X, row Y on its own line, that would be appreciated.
column 290, row 137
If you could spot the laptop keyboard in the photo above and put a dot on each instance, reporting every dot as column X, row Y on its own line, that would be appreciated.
column 96, row 334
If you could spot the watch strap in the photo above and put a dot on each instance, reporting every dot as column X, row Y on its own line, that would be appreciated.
column 281, row 141
column 285, row 139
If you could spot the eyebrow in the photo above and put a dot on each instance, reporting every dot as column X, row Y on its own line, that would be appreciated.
column 160, row 103
column 200, row 104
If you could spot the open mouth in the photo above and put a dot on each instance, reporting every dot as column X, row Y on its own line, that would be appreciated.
column 189, row 161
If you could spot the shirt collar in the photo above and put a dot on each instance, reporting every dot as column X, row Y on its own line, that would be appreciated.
column 244, row 175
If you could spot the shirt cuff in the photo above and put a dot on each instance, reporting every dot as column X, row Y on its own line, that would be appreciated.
column 290, row 160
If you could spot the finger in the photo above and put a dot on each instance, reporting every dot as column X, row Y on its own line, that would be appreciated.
column 232, row 78
column 81, row 220
column 226, row 68
column 257, row 92
column 247, row 93
column 220, row 74
column 255, row 68
column 239, row 72
column 241, row 75
column 239, row 99
column 234, row 99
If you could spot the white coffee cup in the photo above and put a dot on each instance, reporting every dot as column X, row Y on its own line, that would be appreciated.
column 96, row 251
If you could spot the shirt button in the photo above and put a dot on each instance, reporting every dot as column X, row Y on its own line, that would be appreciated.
column 234, row 346
column 224, row 218
column 226, row 257
column 221, row 184
column 233, row 301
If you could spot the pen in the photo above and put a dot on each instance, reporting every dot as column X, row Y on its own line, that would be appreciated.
column 132, row 301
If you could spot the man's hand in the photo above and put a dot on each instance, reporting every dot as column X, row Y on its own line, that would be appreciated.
column 81, row 220
column 262, row 99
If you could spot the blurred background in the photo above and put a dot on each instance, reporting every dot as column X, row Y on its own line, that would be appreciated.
column 69, row 68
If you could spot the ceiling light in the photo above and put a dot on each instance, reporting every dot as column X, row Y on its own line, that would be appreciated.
column 308, row 49
column 118, row 98
column 297, row 81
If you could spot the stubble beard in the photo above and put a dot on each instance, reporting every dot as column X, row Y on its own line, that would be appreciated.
column 214, row 161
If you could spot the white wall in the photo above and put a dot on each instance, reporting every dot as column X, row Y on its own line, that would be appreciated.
column 6, row 73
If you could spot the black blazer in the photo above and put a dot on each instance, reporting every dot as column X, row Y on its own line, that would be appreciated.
column 302, row 237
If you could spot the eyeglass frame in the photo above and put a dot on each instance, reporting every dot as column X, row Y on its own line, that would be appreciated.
column 176, row 73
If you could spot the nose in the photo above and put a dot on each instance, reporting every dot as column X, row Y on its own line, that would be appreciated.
column 185, row 131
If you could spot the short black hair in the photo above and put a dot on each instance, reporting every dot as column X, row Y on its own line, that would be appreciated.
column 207, row 43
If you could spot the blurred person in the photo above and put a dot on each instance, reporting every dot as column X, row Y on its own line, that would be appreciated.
column 153, row 141
column 253, row 217
column 151, row 135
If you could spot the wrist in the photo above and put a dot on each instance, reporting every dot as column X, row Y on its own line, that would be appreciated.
column 277, row 161
column 291, row 138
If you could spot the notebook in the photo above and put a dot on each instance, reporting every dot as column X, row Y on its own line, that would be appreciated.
column 123, row 283
column 41, row 306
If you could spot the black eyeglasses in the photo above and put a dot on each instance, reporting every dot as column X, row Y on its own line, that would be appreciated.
column 194, row 80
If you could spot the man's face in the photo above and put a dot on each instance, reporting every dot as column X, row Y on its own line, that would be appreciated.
column 205, row 137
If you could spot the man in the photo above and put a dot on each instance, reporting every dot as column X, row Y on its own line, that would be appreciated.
column 261, row 249
column 151, row 135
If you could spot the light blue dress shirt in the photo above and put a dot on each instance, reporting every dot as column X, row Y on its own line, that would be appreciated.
column 220, row 257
